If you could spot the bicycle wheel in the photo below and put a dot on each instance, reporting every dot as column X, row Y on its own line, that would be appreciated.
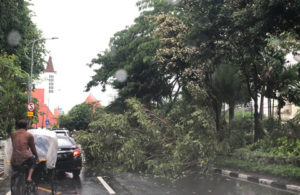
column 52, row 181
column 30, row 188
column 17, row 183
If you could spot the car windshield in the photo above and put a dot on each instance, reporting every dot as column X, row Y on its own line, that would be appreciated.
column 64, row 142
column 61, row 133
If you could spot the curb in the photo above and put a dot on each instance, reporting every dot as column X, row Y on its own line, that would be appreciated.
column 272, row 183
column 2, row 176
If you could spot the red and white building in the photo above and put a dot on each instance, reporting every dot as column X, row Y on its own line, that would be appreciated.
column 44, row 89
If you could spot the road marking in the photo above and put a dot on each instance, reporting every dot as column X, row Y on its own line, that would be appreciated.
column 47, row 190
column 108, row 188
column 39, row 188
column 260, row 184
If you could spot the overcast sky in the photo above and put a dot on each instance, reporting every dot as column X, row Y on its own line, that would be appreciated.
column 84, row 28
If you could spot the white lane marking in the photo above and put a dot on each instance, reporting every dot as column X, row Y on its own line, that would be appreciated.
column 108, row 188
column 8, row 193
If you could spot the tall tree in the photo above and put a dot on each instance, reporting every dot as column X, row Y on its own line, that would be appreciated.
column 133, row 50
column 209, row 24
column 251, row 22
column 235, row 32
column 16, row 33
column 173, row 56
column 12, row 99
column 283, row 82
column 229, row 87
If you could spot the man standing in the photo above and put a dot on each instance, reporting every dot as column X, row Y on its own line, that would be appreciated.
column 22, row 141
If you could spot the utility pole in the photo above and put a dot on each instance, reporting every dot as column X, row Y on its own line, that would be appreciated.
column 32, row 62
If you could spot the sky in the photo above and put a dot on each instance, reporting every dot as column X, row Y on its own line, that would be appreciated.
column 84, row 28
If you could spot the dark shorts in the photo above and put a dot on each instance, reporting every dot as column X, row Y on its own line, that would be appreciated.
column 30, row 163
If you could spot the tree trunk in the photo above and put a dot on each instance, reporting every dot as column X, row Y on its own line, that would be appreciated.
column 262, row 103
column 231, row 112
column 269, row 109
column 273, row 108
column 279, row 106
column 257, row 126
column 217, row 109
column 279, row 114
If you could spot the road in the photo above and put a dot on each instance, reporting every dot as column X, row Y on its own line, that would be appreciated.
column 125, row 184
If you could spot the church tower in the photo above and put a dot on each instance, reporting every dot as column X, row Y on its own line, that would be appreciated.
column 44, row 88
column 46, row 81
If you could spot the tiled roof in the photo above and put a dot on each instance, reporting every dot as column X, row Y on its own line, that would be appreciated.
column 92, row 99
column 50, row 67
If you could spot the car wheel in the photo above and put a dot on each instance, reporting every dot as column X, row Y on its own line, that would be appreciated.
column 76, row 173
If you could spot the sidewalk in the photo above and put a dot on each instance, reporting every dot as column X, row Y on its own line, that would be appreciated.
column 1, row 163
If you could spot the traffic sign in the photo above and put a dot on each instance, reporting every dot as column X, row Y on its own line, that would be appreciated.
column 30, row 106
column 47, row 122
column 30, row 114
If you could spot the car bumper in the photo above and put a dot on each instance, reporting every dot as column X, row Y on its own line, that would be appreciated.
column 69, row 165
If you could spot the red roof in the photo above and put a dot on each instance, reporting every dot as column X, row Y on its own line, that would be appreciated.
column 93, row 100
column 50, row 67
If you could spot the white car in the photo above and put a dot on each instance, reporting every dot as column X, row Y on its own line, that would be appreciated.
column 64, row 132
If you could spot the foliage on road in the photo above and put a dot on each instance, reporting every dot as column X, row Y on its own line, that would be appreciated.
column 144, row 140
column 190, row 57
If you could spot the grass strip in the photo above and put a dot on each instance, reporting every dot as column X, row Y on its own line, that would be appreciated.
column 287, row 171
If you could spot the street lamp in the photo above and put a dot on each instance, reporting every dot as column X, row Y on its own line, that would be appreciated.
column 31, row 68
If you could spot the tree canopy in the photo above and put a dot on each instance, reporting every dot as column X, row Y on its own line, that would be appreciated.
column 17, row 31
column 79, row 117
column 227, row 48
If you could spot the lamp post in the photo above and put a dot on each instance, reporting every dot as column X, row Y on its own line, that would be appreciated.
column 31, row 68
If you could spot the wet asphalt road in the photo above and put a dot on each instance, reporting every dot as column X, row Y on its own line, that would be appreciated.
column 133, row 184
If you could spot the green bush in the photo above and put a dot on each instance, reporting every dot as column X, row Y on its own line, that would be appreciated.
column 142, row 140
column 292, row 128
column 283, row 146
column 239, row 132
column 280, row 151
column 275, row 129
column 272, row 128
